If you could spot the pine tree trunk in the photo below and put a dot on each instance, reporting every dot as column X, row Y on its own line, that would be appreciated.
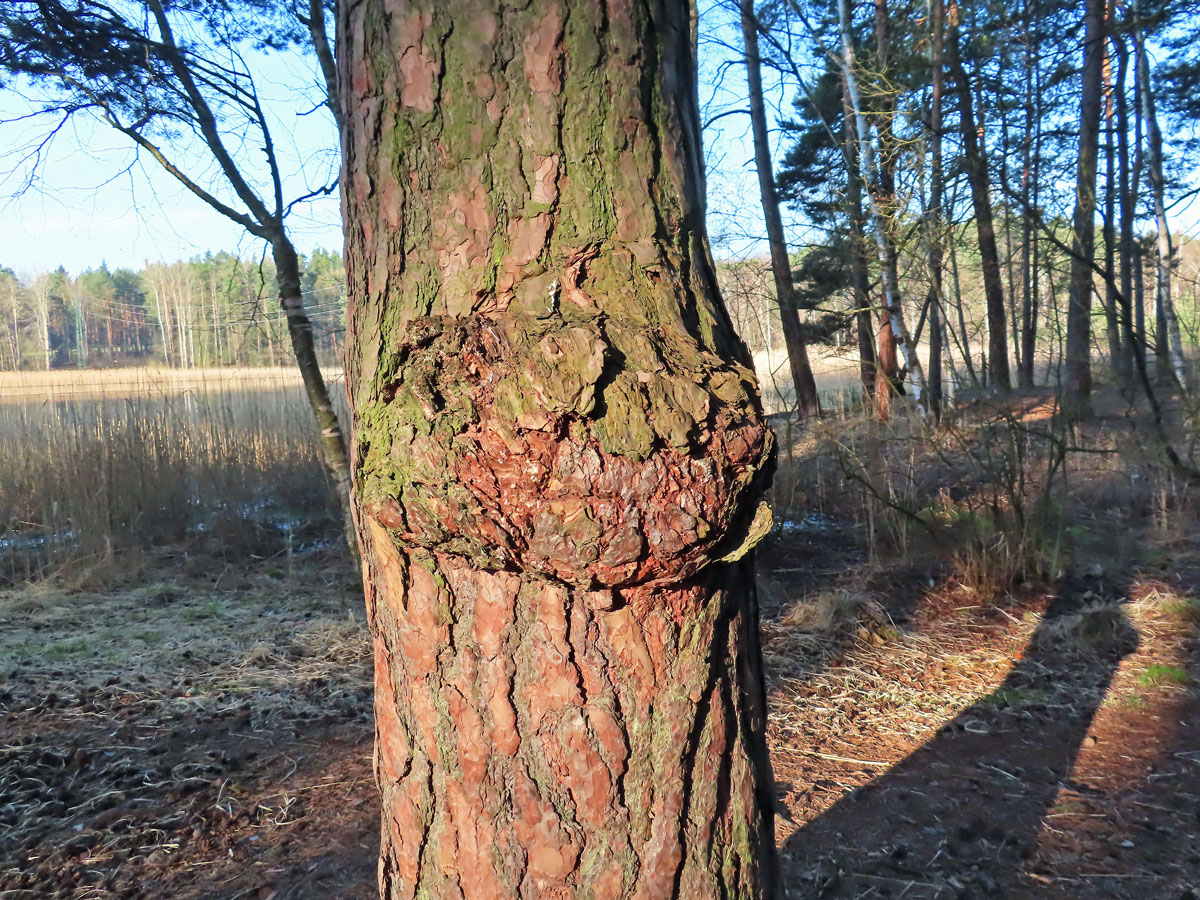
column 1112, row 314
column 1141, row 338
column 860, row 285
column 1126, row 190
column 559, row 458
column 1013, row 315
column 808, row 404
column 893, row 324
column 888, row 383
column 885, row 202
column 1031, row 153
column 964, row 336
column 860, row 281
column 975, row 162
column 1083, row 242
column 934, row 215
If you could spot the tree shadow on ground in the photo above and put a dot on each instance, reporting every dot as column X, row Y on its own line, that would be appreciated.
column 958, row 817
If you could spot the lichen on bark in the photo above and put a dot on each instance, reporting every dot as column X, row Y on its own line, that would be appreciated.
column 560, row 457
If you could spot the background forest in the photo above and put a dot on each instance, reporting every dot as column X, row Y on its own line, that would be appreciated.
column 214, row 310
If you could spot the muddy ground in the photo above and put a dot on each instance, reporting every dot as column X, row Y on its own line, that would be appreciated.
column 200, row 728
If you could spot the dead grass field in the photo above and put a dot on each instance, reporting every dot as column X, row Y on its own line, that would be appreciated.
column 200, row 730
column 208, row 734
column 62, row 384
column 836, row 374
column 96, row 464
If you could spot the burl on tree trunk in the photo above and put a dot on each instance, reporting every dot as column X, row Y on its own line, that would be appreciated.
column 559, row 458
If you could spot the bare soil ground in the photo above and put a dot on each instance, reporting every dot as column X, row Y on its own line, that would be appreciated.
column 201, row 729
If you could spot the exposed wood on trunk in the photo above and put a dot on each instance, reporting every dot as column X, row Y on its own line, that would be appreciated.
column 888, row 383
column 559, row 458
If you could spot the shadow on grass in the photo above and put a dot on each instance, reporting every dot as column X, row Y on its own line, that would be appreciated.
column 958, row 817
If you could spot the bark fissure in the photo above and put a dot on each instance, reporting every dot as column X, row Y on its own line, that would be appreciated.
column 702, row 722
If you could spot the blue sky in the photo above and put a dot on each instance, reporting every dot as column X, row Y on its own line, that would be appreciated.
column 94, row 200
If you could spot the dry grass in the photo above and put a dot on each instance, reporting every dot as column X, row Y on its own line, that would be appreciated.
column 172, row 713
column 98, row 464
column 998, row 495
column 1003, row 511
column 879, row 680
column 217, row 657
column 134, row 381
column 836, row 372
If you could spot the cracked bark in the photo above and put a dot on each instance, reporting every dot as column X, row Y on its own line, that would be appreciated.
column 559, row 458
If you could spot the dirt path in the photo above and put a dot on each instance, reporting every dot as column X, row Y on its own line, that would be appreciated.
column 207, row 734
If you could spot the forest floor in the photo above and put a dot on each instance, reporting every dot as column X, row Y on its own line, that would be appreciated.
column 198, row 729
column 939, row 747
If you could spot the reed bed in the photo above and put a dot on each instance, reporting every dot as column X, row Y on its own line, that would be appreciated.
column 836, row 373
column 135, row 381
column 101, row 463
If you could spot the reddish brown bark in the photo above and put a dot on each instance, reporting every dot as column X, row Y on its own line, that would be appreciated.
column 889, row 366
column 559, row 458
column 880, row 191
column 887, row 354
